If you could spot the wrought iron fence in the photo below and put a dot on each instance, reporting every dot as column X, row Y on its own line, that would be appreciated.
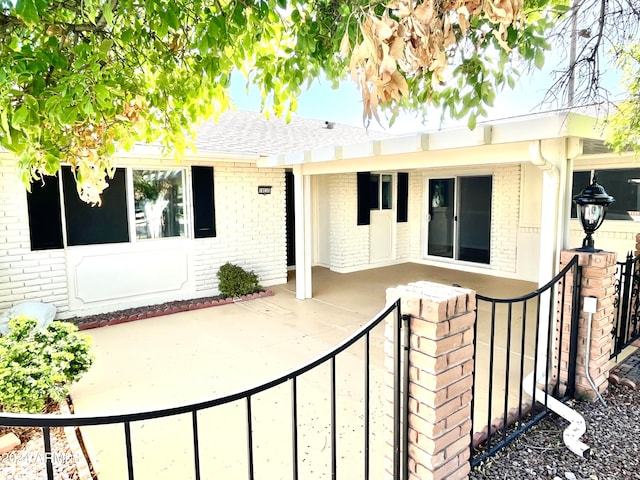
column 626, row 328
column 363, row 334
column 522, row 338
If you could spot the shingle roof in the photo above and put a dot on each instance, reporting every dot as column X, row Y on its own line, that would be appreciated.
column 244, row 132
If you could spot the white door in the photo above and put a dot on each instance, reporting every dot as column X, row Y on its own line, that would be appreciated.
column 381, row 235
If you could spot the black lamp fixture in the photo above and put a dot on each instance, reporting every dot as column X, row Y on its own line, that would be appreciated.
column 591, row 205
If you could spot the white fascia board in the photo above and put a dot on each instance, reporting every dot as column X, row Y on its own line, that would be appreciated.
column 559, row 125
column 400, row 145
column 460, row 138
column 452, row 158
column 320, row 154
column 356, row 150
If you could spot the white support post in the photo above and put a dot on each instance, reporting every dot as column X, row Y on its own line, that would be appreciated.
column 302, row 205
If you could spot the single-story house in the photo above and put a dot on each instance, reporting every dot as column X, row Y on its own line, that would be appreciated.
column 271, row 196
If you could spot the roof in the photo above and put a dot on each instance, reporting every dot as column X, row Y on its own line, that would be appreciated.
column 251, row 133
column 407, row 148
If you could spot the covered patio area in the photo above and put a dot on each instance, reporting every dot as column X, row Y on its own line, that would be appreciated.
column 201, row 354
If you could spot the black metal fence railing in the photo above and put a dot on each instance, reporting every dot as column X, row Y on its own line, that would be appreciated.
column 46, row 422
column 626, row 328
column 517, row 344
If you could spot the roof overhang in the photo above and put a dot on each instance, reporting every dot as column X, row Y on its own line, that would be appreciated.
column 461, row 145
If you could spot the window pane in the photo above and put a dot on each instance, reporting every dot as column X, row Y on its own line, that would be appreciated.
column 374, row 193
column 623, row 185
column 159, row 203
column 387, row 201
column 87, row 225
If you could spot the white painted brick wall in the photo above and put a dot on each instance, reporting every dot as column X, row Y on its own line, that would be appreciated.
column 250, row 228
column 505, row 217
column 408, row 233
column 25, row 275
column 348, row 242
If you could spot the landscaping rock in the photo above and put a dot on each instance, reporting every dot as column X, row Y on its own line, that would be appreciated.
column 43, row 312
column 8, row 442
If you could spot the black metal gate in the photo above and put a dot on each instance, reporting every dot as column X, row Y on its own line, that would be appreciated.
column 518, row 344
column 626, row 328
column 337, row 418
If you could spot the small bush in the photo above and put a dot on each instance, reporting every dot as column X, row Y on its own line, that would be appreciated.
column 235, row 281
column 38, row 365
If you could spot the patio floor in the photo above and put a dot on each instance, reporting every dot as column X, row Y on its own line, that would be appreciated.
column 202, row 354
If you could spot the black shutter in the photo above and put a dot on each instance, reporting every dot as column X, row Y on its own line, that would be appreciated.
column 403, row 197
column 87, row 225
column 364, row 198
column 45, row 217
column 204, row 210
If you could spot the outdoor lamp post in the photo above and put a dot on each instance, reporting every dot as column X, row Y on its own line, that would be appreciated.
column 591, row 205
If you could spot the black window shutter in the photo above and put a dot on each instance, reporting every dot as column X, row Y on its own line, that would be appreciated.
column 87, row 225
column 204, row 210
column 364, row 194
column 45, row 217
column 403, row 197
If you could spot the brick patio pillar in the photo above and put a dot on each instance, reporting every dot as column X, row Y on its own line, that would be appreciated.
column 598, row 280
column 440, row 378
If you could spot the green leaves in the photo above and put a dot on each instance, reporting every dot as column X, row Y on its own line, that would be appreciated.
column 38, row 365
column 623, row 127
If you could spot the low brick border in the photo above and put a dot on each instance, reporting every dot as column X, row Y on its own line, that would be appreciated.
column 194, row 304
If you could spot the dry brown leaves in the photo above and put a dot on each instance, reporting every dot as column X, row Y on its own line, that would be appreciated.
column 417, row 39
column 88, row 162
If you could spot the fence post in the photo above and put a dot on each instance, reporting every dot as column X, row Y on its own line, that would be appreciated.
column 598, row 280
column 440, row 379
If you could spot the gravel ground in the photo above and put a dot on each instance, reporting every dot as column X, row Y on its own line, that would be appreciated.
column 613, row 433
column 28, row 461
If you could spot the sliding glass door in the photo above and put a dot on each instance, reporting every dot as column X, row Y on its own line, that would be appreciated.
column 459, row 219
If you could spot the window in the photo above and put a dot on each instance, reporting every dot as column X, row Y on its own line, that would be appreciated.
column 375, row 192
column 622, row 183
column 159, row 203
column 87, row 225
column 381, row 191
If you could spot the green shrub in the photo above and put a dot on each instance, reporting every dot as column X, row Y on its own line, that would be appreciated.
column 38, row 365
column 235, row 281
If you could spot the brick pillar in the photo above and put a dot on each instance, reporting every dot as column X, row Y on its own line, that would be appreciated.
column 637, row 251
column 598, row 279
column 440, row 378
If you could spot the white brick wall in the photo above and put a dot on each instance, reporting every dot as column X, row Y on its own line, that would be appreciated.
column 250, row 232
column 250, row 228
column 348, row 242
column 25, row 275
column 505, row 217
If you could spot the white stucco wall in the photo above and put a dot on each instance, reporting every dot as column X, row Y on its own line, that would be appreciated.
column 91, row 279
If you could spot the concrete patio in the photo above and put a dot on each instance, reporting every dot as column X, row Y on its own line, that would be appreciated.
column 201, row 354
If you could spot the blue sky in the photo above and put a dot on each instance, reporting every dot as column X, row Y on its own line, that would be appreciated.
column 343, row 105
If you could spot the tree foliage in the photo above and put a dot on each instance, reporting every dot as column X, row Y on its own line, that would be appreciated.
column 624, row 127
column 80, row 79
